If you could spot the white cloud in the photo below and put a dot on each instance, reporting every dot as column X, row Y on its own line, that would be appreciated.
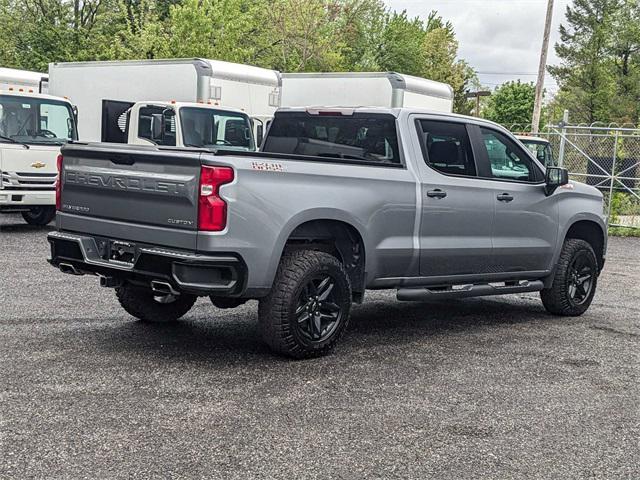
column 496, row 35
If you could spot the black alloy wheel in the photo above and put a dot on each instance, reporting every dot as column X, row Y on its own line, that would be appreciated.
column 318, row 312
column 575, row 280
column 580, row 278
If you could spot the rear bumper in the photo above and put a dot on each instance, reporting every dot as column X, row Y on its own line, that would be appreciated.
column 186, row 272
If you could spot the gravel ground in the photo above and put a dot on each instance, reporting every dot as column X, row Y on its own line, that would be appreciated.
column 480, row 388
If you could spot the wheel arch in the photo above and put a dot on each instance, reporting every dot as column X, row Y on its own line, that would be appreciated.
column 333, row 233
column 591, row 232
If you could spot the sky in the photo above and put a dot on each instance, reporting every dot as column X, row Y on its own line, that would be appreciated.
column 500, row 39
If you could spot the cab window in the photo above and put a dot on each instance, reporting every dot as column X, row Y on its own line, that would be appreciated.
column 358, row 137
column 507, row 160
column 446, row 147
column 155, row 113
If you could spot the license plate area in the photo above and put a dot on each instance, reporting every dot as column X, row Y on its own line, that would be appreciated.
column 122, row 252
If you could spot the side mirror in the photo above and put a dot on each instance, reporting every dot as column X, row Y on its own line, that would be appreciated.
column 555, row 177
column 157, row 126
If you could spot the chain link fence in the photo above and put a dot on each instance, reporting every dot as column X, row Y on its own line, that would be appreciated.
column 604, row 156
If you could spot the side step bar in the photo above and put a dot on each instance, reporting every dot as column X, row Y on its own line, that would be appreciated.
column 463, row 291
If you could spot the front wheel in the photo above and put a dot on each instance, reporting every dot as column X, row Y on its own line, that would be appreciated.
column 39, row 215
column 148, row 306
column 307, row 310
column 574, row 284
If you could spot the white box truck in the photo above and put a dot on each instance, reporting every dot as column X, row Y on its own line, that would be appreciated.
column 104, row 91
column 23, row 80
column 33, row 126
column 371, row 89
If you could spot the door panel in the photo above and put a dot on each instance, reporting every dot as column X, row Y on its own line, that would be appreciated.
column 526, row 220
column 525, row 228
column 455, row 232
column 457, row 207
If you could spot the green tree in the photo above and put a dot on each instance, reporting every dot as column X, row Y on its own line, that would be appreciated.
column 288, row 35
column 441, row 62
column 626, row 58
column 511, row 103
column 586, row 75
column 402, row 45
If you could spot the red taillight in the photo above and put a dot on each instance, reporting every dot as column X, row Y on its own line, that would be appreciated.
column 59, row 183
column 212, row 210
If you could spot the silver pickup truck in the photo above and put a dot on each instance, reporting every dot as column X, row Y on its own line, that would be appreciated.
column 338, row 201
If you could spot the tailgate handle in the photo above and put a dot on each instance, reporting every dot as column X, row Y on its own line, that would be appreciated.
column 122, row 159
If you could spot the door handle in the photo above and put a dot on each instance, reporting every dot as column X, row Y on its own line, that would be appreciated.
column 505, row 197
column 437, row 193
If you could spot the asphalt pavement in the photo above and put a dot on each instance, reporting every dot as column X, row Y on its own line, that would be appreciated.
column 491, row 388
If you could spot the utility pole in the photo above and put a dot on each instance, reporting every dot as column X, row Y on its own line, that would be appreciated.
column 537, row 105
column 477, row 95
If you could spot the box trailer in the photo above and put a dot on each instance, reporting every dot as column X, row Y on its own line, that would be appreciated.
column 102, row 91
column 371, row 89
column 22, row 81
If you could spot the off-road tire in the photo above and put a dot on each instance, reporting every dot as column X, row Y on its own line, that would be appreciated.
column 277, row 311
column 141, row 303
column 39, row 216
column 557, row 300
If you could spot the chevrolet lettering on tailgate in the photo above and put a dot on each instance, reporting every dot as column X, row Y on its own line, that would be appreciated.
column 124, row 182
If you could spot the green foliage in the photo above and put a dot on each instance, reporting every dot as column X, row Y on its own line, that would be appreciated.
column 288, row 35
column 599, row 47
column 511, row 103
column 624, row 232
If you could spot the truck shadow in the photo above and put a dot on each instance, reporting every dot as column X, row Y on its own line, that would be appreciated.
column 227, row 337
column 24, row 227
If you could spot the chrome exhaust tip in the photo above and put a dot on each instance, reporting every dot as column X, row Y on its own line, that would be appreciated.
column 69, row 269
column 163, row 288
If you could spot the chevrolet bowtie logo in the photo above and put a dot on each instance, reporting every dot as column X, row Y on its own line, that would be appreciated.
column 38, row 165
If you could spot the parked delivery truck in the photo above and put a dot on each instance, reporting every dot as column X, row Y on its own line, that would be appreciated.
column 33, row 126
column 105, row 92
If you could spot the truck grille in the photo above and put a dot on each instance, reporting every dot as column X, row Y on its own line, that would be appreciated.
column 28, row 181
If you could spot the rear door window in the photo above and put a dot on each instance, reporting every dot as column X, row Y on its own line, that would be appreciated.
column 446, row 147
column 358, row 137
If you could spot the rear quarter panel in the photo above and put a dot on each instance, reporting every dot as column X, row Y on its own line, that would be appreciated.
column 268, row 199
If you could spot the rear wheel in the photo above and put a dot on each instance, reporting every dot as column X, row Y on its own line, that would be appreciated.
column 574, row 284
column 307, row 310
column 39, row 215
column 147, row 306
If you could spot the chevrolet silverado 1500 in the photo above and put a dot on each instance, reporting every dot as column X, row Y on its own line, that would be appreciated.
column 338, row 201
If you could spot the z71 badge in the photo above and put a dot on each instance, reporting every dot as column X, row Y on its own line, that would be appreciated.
column 267, row 166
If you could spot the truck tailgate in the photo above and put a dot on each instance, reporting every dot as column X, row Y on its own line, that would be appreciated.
column 140, row 185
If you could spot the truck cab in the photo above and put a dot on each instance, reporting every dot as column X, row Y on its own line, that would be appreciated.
column 182, row 124
column 33, row 127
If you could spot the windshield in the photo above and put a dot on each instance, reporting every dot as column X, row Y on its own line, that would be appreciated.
column 35, row 121
column 362, row 136
column 541, row 150
column 206, row 127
